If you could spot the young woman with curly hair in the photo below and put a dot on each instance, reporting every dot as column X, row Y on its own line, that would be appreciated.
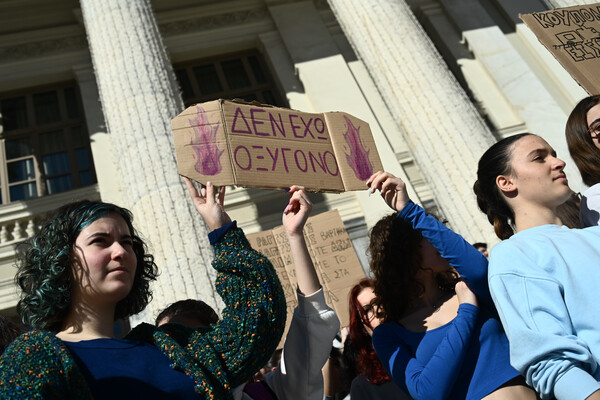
column 88, row 267
column 543, row 276
column 372, row 382
column 583, row 139
column 438, row 339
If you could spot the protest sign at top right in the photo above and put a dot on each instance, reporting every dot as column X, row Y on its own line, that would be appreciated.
column 572, row 35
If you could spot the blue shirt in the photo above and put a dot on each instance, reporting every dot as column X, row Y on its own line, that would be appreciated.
column 467, row 358
column 545, row 282
column 129, row 369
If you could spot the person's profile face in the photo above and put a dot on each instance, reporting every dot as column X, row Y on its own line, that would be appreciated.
column 537, row 173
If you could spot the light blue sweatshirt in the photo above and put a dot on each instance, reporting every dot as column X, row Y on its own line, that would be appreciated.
column 545, row 282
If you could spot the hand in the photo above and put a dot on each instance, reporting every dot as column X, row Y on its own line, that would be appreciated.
column 210, row 208
column 465, row 294
column 393, row 189
column 297, row 211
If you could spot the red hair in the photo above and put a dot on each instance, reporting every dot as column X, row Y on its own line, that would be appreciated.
column 368, row 363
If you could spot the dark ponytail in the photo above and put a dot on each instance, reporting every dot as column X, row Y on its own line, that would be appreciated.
column 494, row 162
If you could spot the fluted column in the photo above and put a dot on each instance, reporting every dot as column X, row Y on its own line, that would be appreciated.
column 138, row 95
column 443, row 130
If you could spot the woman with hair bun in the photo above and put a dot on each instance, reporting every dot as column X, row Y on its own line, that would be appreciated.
column 88, row 267
column 543, row 276
column 583, row 138
column 439, row 337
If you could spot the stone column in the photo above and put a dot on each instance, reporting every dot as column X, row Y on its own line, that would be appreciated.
column 442, row 128
column 109, row 180
column 139, row 98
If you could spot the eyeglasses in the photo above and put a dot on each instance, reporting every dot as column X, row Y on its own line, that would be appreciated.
column 368, row 312
column 594, row 129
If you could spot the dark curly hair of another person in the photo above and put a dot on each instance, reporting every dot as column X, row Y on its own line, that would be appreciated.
column 396, row 263
column 45, row 267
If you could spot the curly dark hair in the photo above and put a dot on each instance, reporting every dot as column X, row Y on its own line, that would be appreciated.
column 44, row 268
column 395, row 262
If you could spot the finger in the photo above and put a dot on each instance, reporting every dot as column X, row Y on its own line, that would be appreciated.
column 294, row 203
column 377, row 181
column 210, row 193
column 290, row 207
column 304, row 200
column 372, row 177
column 190, row 187
column 294, row 188
column 221, row 196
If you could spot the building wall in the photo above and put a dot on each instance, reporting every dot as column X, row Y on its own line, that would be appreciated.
column 516, row 85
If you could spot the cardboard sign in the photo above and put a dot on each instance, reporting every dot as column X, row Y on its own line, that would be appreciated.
column 572, row 34
column 236, row 143
column 332, row 254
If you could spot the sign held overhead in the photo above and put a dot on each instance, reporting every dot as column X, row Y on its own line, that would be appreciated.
column 247, row 144
column 331, row 252
column 572, row 35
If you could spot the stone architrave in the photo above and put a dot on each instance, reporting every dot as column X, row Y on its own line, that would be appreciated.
column 137, row 90
column 442, row 128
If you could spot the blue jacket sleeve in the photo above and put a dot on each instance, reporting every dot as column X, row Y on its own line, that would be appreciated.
column 436, row 378
column 466, row 259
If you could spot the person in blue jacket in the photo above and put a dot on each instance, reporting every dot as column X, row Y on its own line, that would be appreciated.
column 543, row 276
column 439, row 339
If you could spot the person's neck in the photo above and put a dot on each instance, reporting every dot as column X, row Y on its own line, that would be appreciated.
column 85, row 323
column 530, row 217
column 433, row 295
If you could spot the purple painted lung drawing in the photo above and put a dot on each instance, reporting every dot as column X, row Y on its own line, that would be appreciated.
column 358, row 159
column 208, row 155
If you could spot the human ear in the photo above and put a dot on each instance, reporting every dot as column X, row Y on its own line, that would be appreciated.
column 505, row 184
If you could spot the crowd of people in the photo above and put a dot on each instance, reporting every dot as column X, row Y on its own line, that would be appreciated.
column 438, row 319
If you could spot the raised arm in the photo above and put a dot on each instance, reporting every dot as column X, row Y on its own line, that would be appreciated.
column 468, row 261
column 294, row 217
column 254, row 314
column 314, row 324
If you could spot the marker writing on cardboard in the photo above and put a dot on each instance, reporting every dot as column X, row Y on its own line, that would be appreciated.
column 255, row 124
column 549, row 19
column 272, row 158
